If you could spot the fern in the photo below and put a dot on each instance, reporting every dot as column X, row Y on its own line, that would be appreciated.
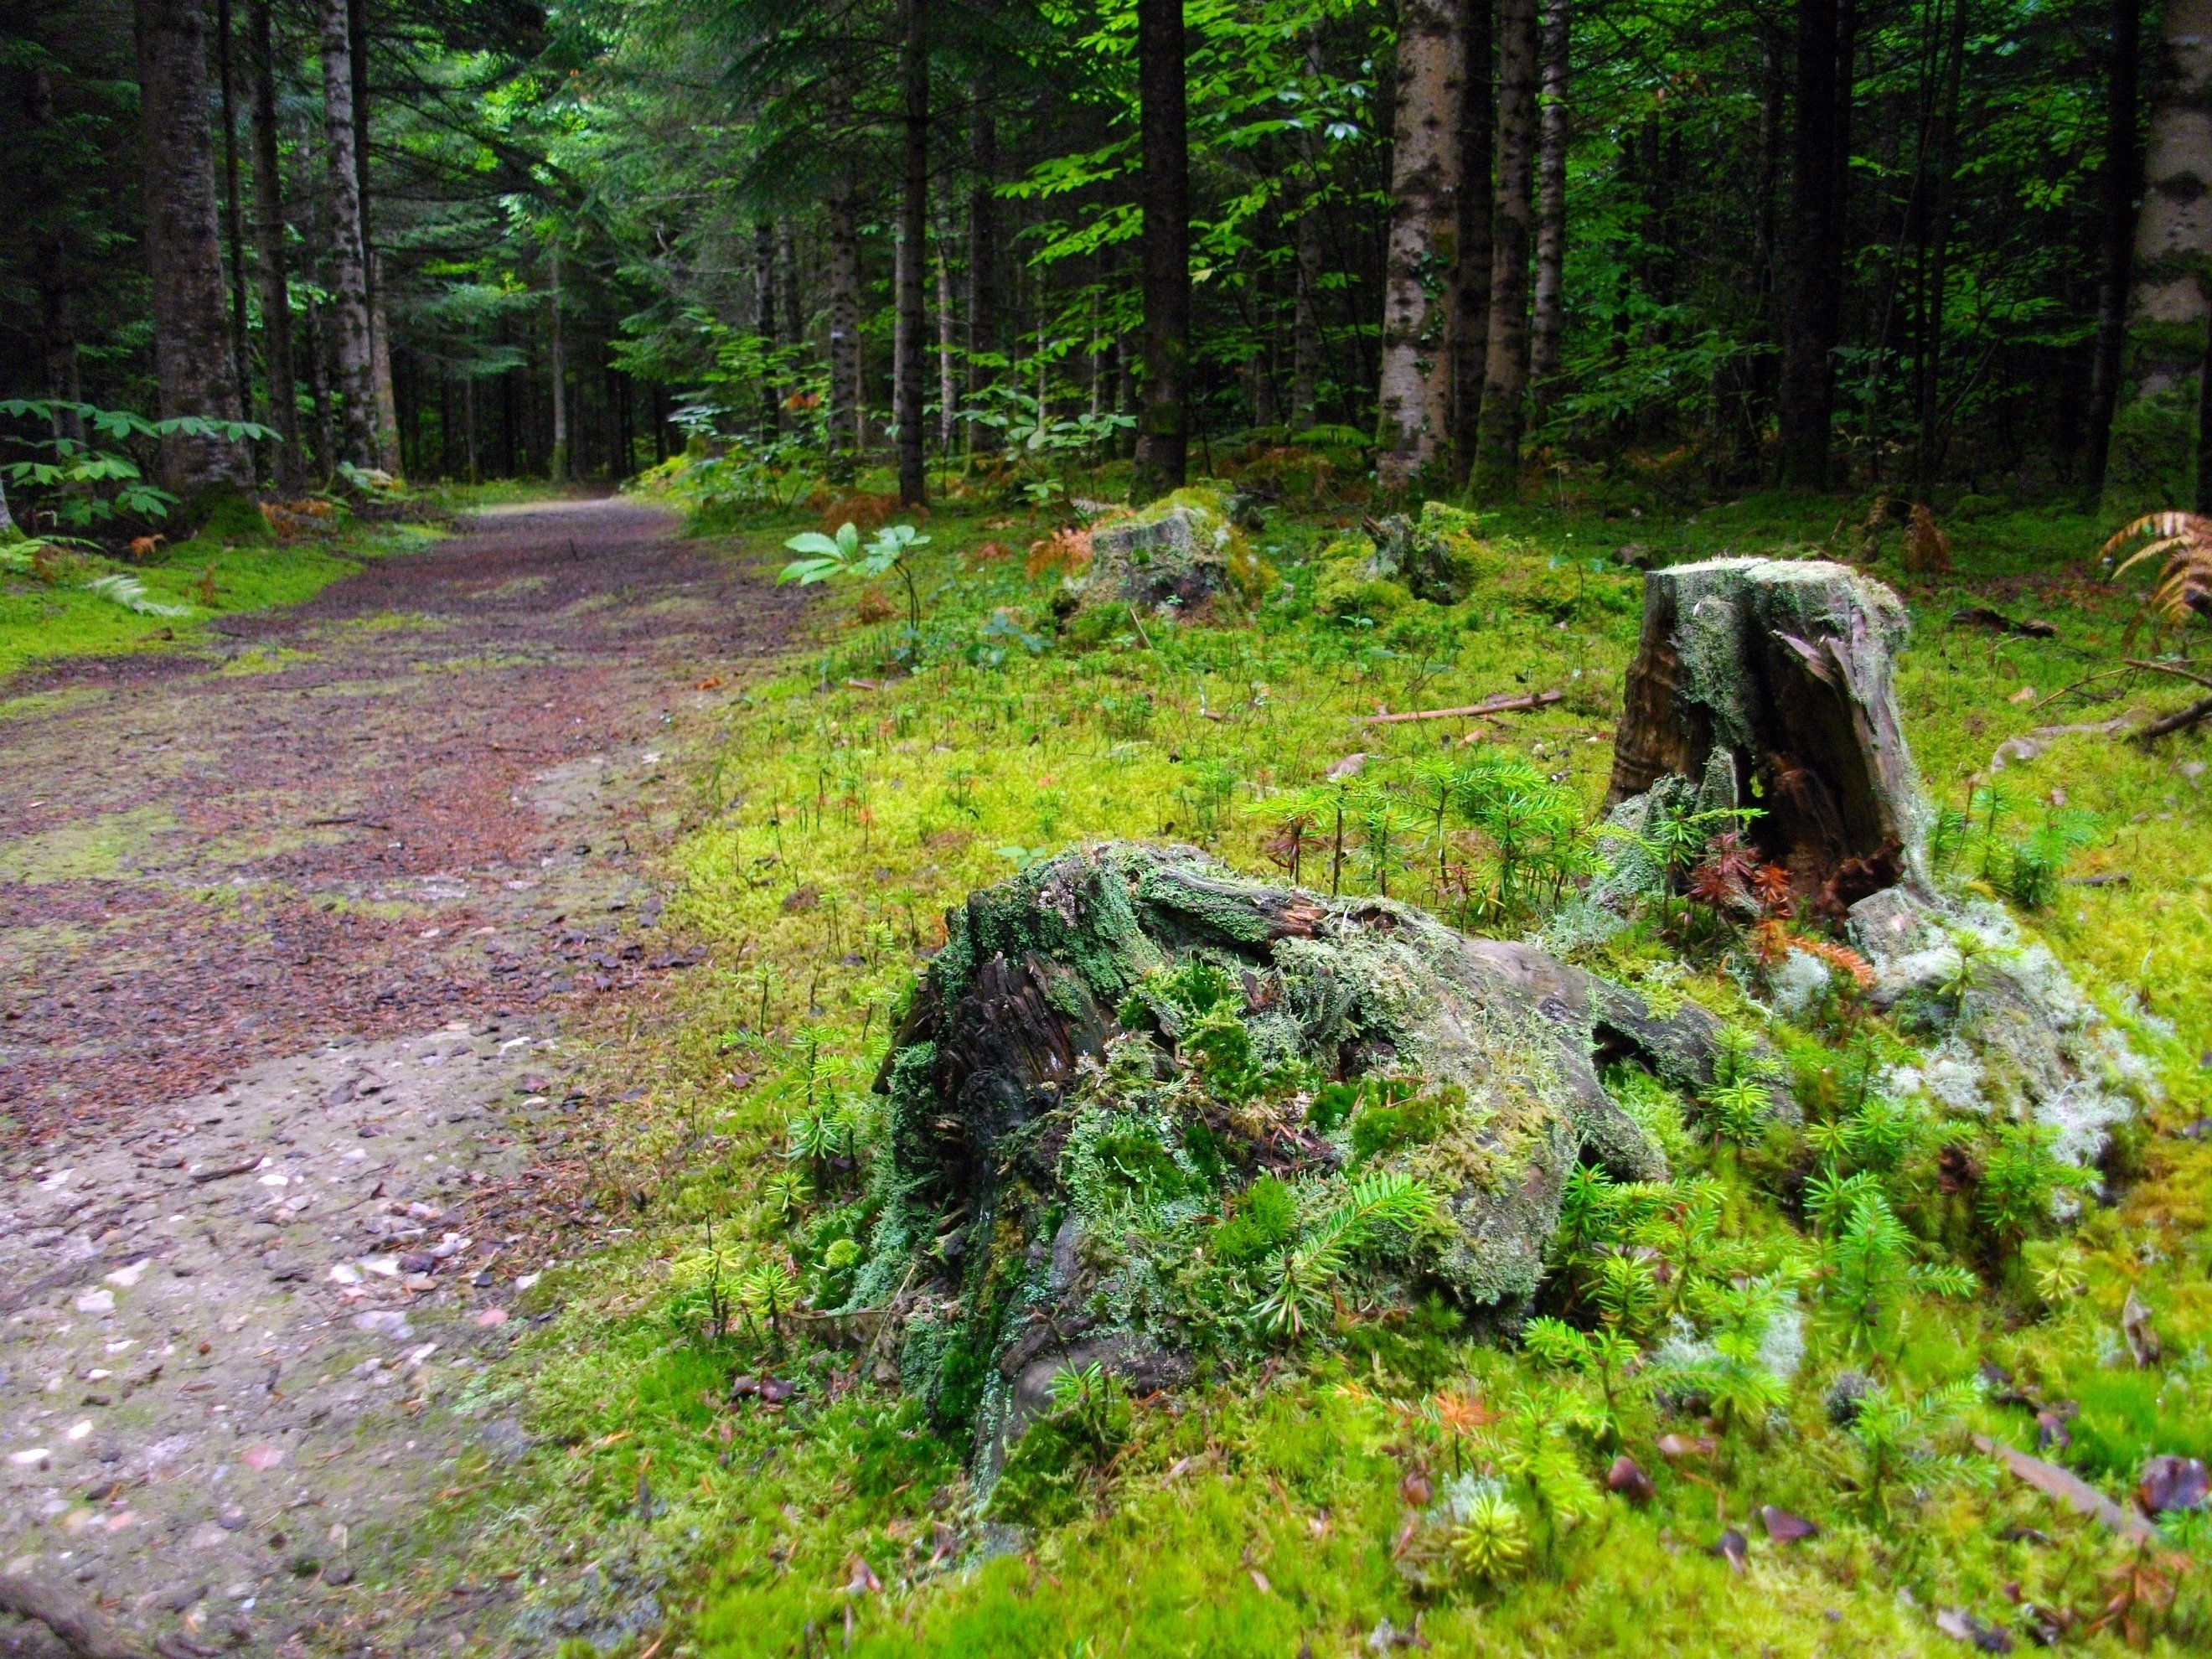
column 2183, row 588
column 130, row 594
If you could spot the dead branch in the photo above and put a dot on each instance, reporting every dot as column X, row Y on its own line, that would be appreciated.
column 2177, row 720
column 1495, row 706
column 2069, row 1488
column 2168, row 668
column 77, row 1626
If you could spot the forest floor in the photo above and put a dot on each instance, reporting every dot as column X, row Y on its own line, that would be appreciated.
column 303, row 932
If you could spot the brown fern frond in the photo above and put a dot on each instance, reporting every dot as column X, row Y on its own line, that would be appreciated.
column 2181, row 544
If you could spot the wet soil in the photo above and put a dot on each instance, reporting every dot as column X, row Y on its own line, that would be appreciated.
column 296, row 939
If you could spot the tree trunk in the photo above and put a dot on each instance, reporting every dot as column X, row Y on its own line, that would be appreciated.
column 57, row 285
column 233, row 212
column 348, row 269
column 1162, row 429
column 1545, row 332
column 771, row 421
column 2173, row 231
column 1478, row 204
column 1505, row 368
column 788, row 285
column 913, row 243
column 2120, row 181
column 270, row 255
column 1815, row 300
column 1766, row 234
column 982, row 262
column 1413, row 393
column 556, row 463
column 948, row 388
column 193, row 365
column 1928, row 369
column 385, row 440
column 844, row 434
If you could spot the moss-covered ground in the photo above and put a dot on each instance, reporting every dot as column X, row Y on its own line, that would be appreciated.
column 50, row 606
column 1293, row 1506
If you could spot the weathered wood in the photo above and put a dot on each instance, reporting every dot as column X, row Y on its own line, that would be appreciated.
column 1495, row 706
column 75, row 1623
column 1770, row 684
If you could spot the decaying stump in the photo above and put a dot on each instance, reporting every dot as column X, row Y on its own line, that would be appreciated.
column 1768, row 683
column 1040, row 1034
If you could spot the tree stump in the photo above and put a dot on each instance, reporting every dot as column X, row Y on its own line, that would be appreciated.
column 1010, row 1245
column 1769, row 684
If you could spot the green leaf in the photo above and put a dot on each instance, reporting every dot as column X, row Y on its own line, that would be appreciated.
column 813, row 541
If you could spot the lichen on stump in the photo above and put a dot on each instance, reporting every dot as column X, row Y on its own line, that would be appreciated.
column 1769, row 683
column 1128, row 1065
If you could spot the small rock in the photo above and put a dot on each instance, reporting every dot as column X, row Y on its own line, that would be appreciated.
column 1627, row 1477
column 1730, row 1547
column 385, row 1321
column 491, row 1317
column 1784, row 1528
column 231, row 1519
column 2170, row 1483
column 1962, row 1627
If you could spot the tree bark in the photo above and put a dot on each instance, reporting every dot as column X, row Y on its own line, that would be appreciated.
column 232, row 210
column 1163, row 429
column 2173, row 230
column 913, row 243
column 556, row 463
column 1505, row 366
column 1545, row 331
column 1814, row 315
column 193, row 365
column 948, row 387
column 982, row 259
column 844, row 425
column 764, row 324
column 349, row 273
column 2121, row 180
column 1928, row 370
column 270, row 255
column 1478, row 204
column 1767, row 231
column 788, row 285
column 1413, row 392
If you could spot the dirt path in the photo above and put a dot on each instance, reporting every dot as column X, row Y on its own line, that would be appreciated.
column 287, row 938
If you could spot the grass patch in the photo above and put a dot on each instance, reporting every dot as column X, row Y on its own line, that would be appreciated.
column 1303, row 1504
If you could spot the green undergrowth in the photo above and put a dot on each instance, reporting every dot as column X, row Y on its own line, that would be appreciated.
column 71, row 602
column 1798, row 1319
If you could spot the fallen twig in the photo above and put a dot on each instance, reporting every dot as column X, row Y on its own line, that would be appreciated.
column 2064, row 690
column 203, row 1176
column 2168, row 668
column 2177, row 720
column 1495, row 706
column 74, row 1623
column 2069, row 1488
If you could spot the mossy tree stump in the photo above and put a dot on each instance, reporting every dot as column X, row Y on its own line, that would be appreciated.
column 1769, row 684
column 1119, row 1048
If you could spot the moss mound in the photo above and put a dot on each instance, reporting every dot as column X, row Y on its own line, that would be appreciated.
column 1143, row 1111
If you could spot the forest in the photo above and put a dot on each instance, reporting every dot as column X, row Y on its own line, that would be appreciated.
column 1038, row 829
column 1829, row 246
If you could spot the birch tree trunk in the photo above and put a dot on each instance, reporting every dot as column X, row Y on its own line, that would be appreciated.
column 349, row 272
column 1550, row 208
column 1505, row 366
column 1413, row 392
column 2121, row 179
column 1478, row 145
column 2173, row 229
column 192, row 362
column 270, row 255
column 913, row 243
column 1163, row 429
column 844, row 424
